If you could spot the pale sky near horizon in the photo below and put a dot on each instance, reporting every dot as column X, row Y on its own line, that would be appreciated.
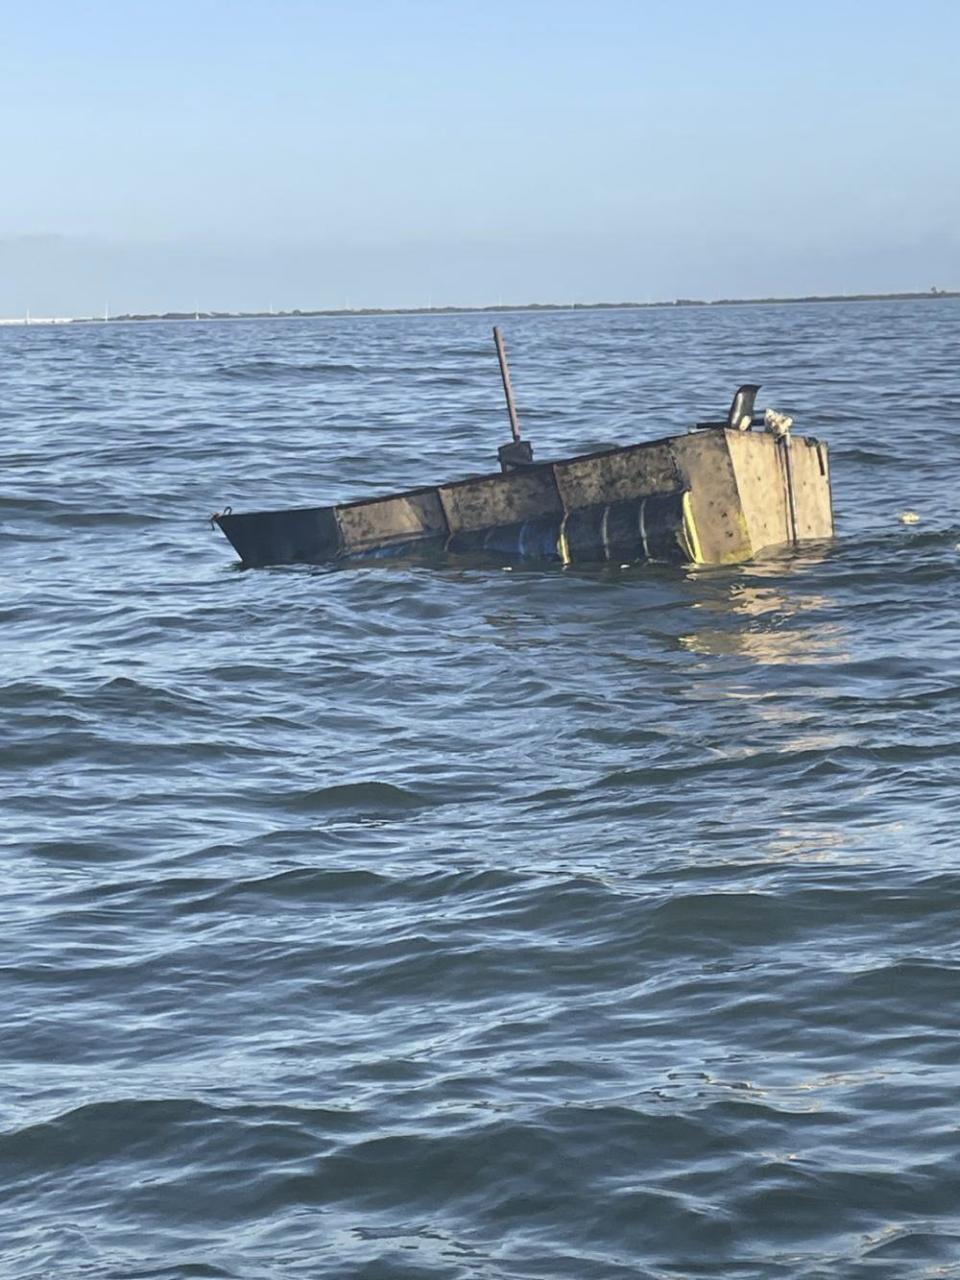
column 306, row 154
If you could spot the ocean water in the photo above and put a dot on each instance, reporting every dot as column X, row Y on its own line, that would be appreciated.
column 413, row 923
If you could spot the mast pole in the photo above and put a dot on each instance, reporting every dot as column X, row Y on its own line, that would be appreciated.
column 507, row 388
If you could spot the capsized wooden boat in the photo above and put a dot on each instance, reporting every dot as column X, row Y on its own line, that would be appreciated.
column 719, row 494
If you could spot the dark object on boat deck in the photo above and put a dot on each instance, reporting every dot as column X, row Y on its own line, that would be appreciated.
column 518, row 453
column 740, row 414
column 716, row 495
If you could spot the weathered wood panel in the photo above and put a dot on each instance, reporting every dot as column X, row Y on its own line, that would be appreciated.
column 506, row 499
column 703, row 459
column 634, row 472
column 383, row 520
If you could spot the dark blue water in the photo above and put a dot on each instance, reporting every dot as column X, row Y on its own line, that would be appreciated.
column 400, row 922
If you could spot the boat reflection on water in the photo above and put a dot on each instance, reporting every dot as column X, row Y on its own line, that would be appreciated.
column 766, row 615
column 771, row 614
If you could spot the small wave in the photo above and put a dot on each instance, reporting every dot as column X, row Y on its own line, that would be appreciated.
column 178, row 1271
column 30, row 505
column 88, row 852
column 443, row 380
column 99, row 1131
column 304, row 884
column 467, row 352
column 278, row 370
column 77, row 518
column 121, row 693
column 917, row 1245
column 353, row 798
column 865, row 457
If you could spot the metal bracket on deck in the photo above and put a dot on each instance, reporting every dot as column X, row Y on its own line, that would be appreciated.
column 515, row 455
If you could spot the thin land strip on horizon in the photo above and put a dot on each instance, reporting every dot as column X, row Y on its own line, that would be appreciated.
column 539, row 306
column 493, row 308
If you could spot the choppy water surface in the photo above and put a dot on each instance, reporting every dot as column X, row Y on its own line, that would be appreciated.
column 402, row 922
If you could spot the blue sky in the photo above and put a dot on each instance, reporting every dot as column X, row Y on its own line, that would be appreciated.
column 307, row 154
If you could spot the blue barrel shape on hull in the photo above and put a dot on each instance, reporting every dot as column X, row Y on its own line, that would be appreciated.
column 624, row 532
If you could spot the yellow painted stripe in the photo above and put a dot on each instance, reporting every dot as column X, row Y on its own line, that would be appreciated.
column 562, row 545
column 690, row 536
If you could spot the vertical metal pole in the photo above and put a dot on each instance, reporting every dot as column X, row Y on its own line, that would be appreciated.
column 507, row 389
column 791, row 495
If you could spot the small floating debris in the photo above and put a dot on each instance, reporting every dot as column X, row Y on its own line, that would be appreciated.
column 719, row 494
column 908, row 517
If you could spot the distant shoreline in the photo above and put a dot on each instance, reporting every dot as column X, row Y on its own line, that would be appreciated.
column 931, row 295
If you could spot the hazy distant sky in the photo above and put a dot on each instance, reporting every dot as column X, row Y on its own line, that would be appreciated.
column 158, row 154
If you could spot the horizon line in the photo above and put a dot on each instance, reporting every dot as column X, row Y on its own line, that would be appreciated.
column 453, row 309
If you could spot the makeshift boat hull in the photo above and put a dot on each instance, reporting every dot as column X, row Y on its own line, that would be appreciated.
column 714, row 496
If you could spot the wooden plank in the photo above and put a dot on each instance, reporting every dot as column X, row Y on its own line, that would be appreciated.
column 507, row 499
column 634, row 472
column 399, row 518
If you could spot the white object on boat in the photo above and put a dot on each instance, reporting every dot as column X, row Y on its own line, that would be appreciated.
column 778, row 424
